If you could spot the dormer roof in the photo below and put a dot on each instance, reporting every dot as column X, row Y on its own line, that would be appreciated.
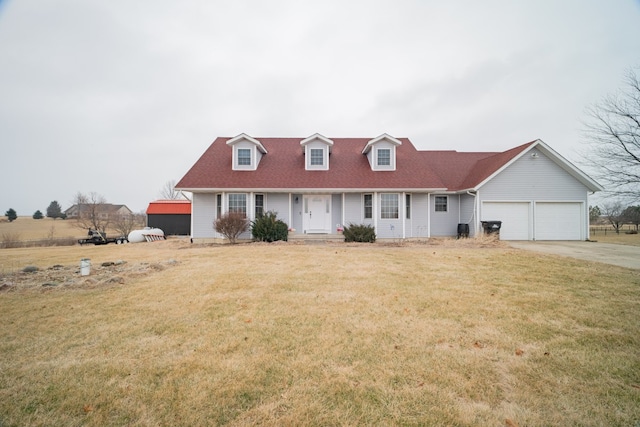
column 245, row 137
column 317, row 136
column 374, row 141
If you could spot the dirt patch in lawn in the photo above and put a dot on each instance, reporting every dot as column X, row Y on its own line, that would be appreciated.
column 69, row 277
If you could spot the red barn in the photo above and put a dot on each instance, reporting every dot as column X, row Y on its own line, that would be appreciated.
column 171, row 216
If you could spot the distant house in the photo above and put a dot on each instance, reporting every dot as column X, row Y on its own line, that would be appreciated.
column 105, row 210
column 317, row 185
column 171, row 216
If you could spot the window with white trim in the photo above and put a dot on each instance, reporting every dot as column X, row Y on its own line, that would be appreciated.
column 407, row 199
column 259, row 205
column 238, row 203
column 384, row 156
column 389, row 206
column 317, row 156
column 244, row 156
column 441, row 203
column 368, row 206
column 218, row 205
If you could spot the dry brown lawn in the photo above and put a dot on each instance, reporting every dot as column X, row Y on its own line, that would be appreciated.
column 610, row 236
column 27, row 228
column 453, row 333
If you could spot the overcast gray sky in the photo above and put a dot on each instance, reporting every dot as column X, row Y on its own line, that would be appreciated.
column 119, row 97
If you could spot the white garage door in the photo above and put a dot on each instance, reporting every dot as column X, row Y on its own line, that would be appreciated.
column 559, row 221
column 514, row 217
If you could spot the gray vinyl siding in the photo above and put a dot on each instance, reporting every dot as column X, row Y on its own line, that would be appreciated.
column 419, row 216
column 444, row 224
column 204, row 212
column 530, row 178
column 279, row 203
column 467, row 214
column 336, row 212
column 353, row 209
column 296, row 214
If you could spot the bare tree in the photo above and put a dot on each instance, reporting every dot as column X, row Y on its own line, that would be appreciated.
column 93, row 212
column 613, row 140
column 125, row 224
column 631, row 215
column 614, row 213
column 168, row 192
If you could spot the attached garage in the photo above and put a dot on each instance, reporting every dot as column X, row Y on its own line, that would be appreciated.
column 559, row 221
column 515, row 217
column 551, row 220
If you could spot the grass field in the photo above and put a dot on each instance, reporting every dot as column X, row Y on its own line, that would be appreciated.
column 281, row 334
column 607, row 235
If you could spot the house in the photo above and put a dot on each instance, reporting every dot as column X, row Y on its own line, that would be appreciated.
column 318, row 185
column 105, row 210
column 171, row 216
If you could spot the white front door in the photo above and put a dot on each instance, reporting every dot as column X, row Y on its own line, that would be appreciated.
column 316, row 217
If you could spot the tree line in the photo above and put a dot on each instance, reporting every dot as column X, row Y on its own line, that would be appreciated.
column 53, row 211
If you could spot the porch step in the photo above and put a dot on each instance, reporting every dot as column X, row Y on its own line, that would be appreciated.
column 316, row 238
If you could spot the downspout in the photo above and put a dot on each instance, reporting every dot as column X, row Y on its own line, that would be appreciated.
column 343, row 211
column 375, row 211
column 290, row 219
column 473, row 213
column 429, row 214
column 404, row 214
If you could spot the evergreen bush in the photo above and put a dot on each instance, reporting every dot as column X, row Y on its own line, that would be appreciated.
column 359, row 233
column 268, row 228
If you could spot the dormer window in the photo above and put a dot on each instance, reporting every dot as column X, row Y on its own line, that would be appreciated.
column 317, row 156
column 316, row 152
column 381, row 152
column 384, row 156
column 247, row 152
column 244, row 156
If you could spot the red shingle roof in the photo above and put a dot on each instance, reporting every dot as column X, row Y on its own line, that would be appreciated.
column 284, row 168
column 175, row 207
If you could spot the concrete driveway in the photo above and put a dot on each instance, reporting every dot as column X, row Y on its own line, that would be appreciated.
column 621, row 255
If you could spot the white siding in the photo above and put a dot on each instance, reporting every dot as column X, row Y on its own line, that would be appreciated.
column 204, row 212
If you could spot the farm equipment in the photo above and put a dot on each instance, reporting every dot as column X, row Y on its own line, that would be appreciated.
column 100, row 238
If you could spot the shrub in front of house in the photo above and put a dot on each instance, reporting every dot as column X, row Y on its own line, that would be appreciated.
column 231, row 225
column 268, row 228
column 359, row 233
